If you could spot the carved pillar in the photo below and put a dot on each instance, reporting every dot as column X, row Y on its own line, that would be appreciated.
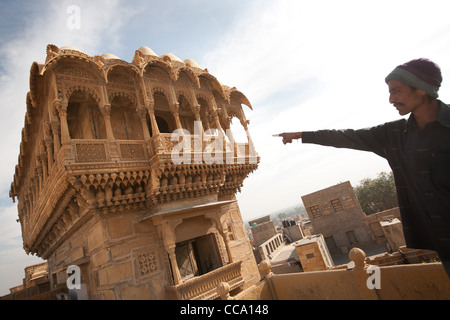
column 231, row 146
column 174, row 108
column 106, row 112
column 227, row 122
column 34, row 188
column 196, row 109
column 219, row 127
column 216, row 218
column 61, row 106
column 206, row 121
column 229, row 133
column 43, row 160
column 214, row 114
column 56, row 139
column 227, row 246
column 48, row 145
column 142, row 113
column 155, row 143
column 245, row 123
column 217, row 122
column 39, row 173
column 173, row 262
column 198, row 119
column 251, row 146
column 166, row 230
column 150, row 105
column 66, row 149
column 220, row 131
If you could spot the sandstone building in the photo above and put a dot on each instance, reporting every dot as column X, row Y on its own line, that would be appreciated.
column 100, row 183
column 336, row 214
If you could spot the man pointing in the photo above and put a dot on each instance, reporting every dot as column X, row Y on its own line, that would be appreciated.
column 417, row 150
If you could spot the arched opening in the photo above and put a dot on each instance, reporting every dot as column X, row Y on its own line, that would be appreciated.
column 187, row 117
column 84, row 119
column 125, row 121
column 163, row 115
column 162, row 125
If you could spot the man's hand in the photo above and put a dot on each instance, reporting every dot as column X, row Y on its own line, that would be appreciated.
column 289, row 136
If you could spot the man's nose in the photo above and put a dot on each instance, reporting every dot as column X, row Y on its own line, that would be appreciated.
column 392, row 99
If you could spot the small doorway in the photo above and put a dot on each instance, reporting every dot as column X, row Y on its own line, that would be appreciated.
column 351, row 237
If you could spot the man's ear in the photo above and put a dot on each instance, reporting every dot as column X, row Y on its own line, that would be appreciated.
column 421, row 92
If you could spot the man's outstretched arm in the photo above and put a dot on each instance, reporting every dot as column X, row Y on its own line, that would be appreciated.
column 369, row 139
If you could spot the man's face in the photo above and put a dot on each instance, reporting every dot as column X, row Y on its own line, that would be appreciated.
column 405, row 98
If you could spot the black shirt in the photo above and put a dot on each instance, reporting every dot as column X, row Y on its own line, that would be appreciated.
column 420, row 162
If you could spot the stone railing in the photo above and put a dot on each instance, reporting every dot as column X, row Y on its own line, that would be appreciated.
column 197, row 143
column 209, row 149
column 132, row 150
column 204, row 287
column 90, row 150
column 98, row 150
column 271, row 247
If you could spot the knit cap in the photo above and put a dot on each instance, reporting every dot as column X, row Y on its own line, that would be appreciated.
column 420, row 73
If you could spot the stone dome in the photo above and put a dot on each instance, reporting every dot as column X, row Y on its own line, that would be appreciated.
column 147, row 51
column 172, row 57
column 71, row 48
column 108, row 56
column 191, row 63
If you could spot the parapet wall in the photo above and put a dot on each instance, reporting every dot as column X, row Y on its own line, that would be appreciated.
column 402, row 282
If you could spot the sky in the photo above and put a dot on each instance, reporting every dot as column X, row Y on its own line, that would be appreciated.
column 303, row 65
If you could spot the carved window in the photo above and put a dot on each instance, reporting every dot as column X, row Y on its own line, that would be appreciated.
column 197, row 256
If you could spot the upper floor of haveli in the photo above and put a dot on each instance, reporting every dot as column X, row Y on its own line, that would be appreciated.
column 99, row 133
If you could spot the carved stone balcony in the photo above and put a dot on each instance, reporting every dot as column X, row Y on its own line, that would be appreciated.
column 205, row 287
column 120, row 175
